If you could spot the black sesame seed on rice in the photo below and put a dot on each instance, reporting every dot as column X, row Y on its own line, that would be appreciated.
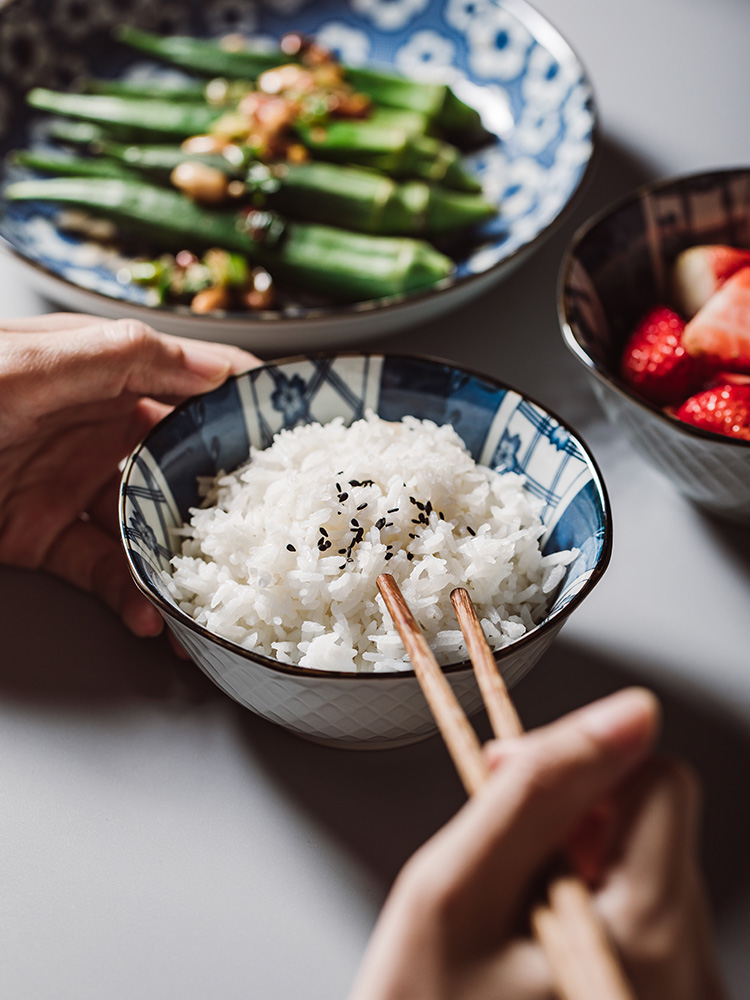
column 291, row 548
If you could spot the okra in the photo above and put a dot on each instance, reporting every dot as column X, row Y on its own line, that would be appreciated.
column 202, row 56
column 412, row 119
column 188, row 90
column 70, row 166
column 352, row 198
column 321, row 259
column 366, row 201
column 210, row 58
column 160, row 160
column 150, row 117
column 392, row 149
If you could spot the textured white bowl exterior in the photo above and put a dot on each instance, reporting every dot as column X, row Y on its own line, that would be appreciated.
column 349, row 711
column 714, row 474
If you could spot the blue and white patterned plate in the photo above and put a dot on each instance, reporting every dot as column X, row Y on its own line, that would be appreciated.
column 500, row 428
column 500, row 56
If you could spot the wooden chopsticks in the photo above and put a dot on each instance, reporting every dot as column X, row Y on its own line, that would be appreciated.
column 581, row 957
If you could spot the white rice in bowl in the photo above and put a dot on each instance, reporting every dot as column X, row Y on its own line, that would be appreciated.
column 283, row 555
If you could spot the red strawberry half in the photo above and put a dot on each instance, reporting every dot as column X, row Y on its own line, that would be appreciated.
column 699, row 271
column 655, row 364
column 727, row 378
column 723, row 410
column 720, row 331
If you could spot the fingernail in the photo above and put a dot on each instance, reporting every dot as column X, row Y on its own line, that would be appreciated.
column 626, row 721
column 203, row 360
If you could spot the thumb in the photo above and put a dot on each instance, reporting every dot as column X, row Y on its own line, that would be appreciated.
column 546, row 782
column 50, row 370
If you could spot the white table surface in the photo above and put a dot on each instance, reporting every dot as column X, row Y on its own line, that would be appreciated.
column 156, row 840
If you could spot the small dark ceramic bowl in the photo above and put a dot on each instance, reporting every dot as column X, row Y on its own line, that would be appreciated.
column 616, row 268
column 500, row 428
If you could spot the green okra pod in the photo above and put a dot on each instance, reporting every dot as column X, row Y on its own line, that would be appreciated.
column 322, row 259
column 188, row 90
column 209, row 57
column 391, row 150
column 350, row 197
column 204, row 56
column 76, row 133
column 162, row 118
column 411, row 119
column 367, row 201
column 159, row 161
column 70, row 166
column 382, row 146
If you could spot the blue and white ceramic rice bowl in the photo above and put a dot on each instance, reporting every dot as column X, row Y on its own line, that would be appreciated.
column 500, row 428
column 500, row 56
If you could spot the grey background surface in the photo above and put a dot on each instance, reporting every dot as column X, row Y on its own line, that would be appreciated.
column 156, row 840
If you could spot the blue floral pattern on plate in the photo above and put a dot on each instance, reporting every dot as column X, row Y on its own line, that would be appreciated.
column 499, row 55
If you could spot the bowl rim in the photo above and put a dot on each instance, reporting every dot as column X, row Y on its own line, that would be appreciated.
column 556, row 43
column 574, row 345
column 551, row 623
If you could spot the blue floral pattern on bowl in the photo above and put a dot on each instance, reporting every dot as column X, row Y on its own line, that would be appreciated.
column 500, row 55
column 500, row 427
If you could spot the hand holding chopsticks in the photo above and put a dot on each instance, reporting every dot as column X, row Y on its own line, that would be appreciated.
column 583, row 963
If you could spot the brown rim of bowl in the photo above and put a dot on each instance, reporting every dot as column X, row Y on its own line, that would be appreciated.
column 557, row 44
column 548, row 624
column 573, row 343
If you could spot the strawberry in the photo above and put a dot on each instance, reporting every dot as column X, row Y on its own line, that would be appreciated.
column 655, row 364
column 726, row 378
column 699, row 271
column 723, row 410
column 720, row 331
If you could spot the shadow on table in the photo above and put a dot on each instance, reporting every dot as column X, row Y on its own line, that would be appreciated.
column 381, row 805
column 64, row 651
column 732, row 539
